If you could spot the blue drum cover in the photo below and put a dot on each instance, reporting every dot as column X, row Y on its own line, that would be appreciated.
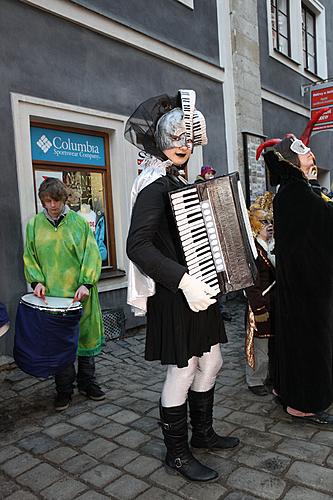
column 45, row 342
column 3, row 315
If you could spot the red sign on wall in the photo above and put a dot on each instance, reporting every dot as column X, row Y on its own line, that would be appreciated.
column 322, row 97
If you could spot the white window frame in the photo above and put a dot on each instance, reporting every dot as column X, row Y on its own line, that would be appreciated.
column 295, row 61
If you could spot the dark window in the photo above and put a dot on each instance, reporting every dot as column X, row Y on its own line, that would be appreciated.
column 309, row 39
column 281, row 26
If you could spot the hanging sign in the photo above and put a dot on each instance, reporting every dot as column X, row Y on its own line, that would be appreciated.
column 322, row 97
column 60, row 146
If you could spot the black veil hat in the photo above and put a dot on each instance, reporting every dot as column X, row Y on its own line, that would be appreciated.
column 141, row 125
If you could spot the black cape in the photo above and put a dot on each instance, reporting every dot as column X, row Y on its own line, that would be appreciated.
column 303, row 224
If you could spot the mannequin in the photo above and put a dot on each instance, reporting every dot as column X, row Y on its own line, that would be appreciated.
column 88, row 214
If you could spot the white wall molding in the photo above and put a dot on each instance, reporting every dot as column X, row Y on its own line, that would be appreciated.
column 229, row 99
column 284, row 103
column 117, row 31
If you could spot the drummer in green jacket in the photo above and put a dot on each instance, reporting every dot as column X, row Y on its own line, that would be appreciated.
column 61, row 259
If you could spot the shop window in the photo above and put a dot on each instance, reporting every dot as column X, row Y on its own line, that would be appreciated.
column 79, row 158
column 309, row 41
column 281, row 26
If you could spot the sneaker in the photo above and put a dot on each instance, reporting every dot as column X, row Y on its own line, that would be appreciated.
column 62, row 401
column 94, row 392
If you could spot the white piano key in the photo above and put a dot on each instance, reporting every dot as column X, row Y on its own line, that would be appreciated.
column 191, row 227
column 207, row 266
column 207, row 275
column 198, row 252
column 190, row 241
column 196, row 258
column 186, row 206
column 183, row 214
column 193, row 234
column 183, row 194
column 188, row 220
column 206, row 271
column 195, row 247
column 195, row 263
column 203, row 275
column 213, row 281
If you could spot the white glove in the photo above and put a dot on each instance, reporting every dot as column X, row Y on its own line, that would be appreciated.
column 197, row 293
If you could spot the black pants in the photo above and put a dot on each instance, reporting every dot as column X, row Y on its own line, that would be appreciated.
column 65, row 378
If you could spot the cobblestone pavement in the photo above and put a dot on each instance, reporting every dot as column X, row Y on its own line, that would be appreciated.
column 113, row 449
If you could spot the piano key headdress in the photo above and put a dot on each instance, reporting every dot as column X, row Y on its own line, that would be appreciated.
column 261, row 212
column 163, row 122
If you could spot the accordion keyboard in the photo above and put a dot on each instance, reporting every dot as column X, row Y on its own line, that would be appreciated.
column 195, row 236
column 213, row 233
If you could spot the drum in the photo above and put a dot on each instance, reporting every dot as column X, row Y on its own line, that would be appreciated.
column 46, row 335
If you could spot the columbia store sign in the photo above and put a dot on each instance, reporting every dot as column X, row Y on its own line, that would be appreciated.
column 59, row 146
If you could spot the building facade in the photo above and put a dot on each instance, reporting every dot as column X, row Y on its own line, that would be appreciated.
column 73, row 71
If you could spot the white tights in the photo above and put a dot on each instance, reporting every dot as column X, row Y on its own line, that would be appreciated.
column 199, row 375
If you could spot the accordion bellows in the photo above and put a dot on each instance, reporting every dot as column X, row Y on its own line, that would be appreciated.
column 215, row 233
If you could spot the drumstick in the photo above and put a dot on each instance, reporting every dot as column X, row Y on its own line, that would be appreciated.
column 70, row 305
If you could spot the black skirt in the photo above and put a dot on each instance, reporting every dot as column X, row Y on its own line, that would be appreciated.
column 175, row 333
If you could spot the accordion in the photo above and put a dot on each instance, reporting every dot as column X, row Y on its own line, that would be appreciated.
column 215, row 233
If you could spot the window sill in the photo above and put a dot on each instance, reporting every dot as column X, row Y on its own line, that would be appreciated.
column 112, row 273
column 311, row 74
column 293, row 65
column 288, row 59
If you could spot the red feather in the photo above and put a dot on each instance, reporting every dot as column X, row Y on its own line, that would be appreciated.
column 305, row 137
column 265, row 145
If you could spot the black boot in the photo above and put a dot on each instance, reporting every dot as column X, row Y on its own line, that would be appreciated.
column 201, row 413
column 178, row 457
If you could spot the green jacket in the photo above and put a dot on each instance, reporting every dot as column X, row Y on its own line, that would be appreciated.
column 63, row 258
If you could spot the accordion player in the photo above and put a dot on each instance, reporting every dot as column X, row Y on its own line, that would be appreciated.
column 215, row 233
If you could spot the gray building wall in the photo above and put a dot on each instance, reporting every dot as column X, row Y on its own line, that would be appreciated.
column 45, row 56
column 285, row 82
column 168, row 20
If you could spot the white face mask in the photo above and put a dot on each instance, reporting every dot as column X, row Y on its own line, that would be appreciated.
column 299, row 147
column 171, row 131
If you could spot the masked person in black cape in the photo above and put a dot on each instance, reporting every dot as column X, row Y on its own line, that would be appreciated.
column 303, row 224
column 184, row 324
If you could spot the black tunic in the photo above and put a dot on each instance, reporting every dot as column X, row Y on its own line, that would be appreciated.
column 175, row 333
column 303, row 224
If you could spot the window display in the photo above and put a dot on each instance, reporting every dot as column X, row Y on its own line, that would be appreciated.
column 88, row 190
